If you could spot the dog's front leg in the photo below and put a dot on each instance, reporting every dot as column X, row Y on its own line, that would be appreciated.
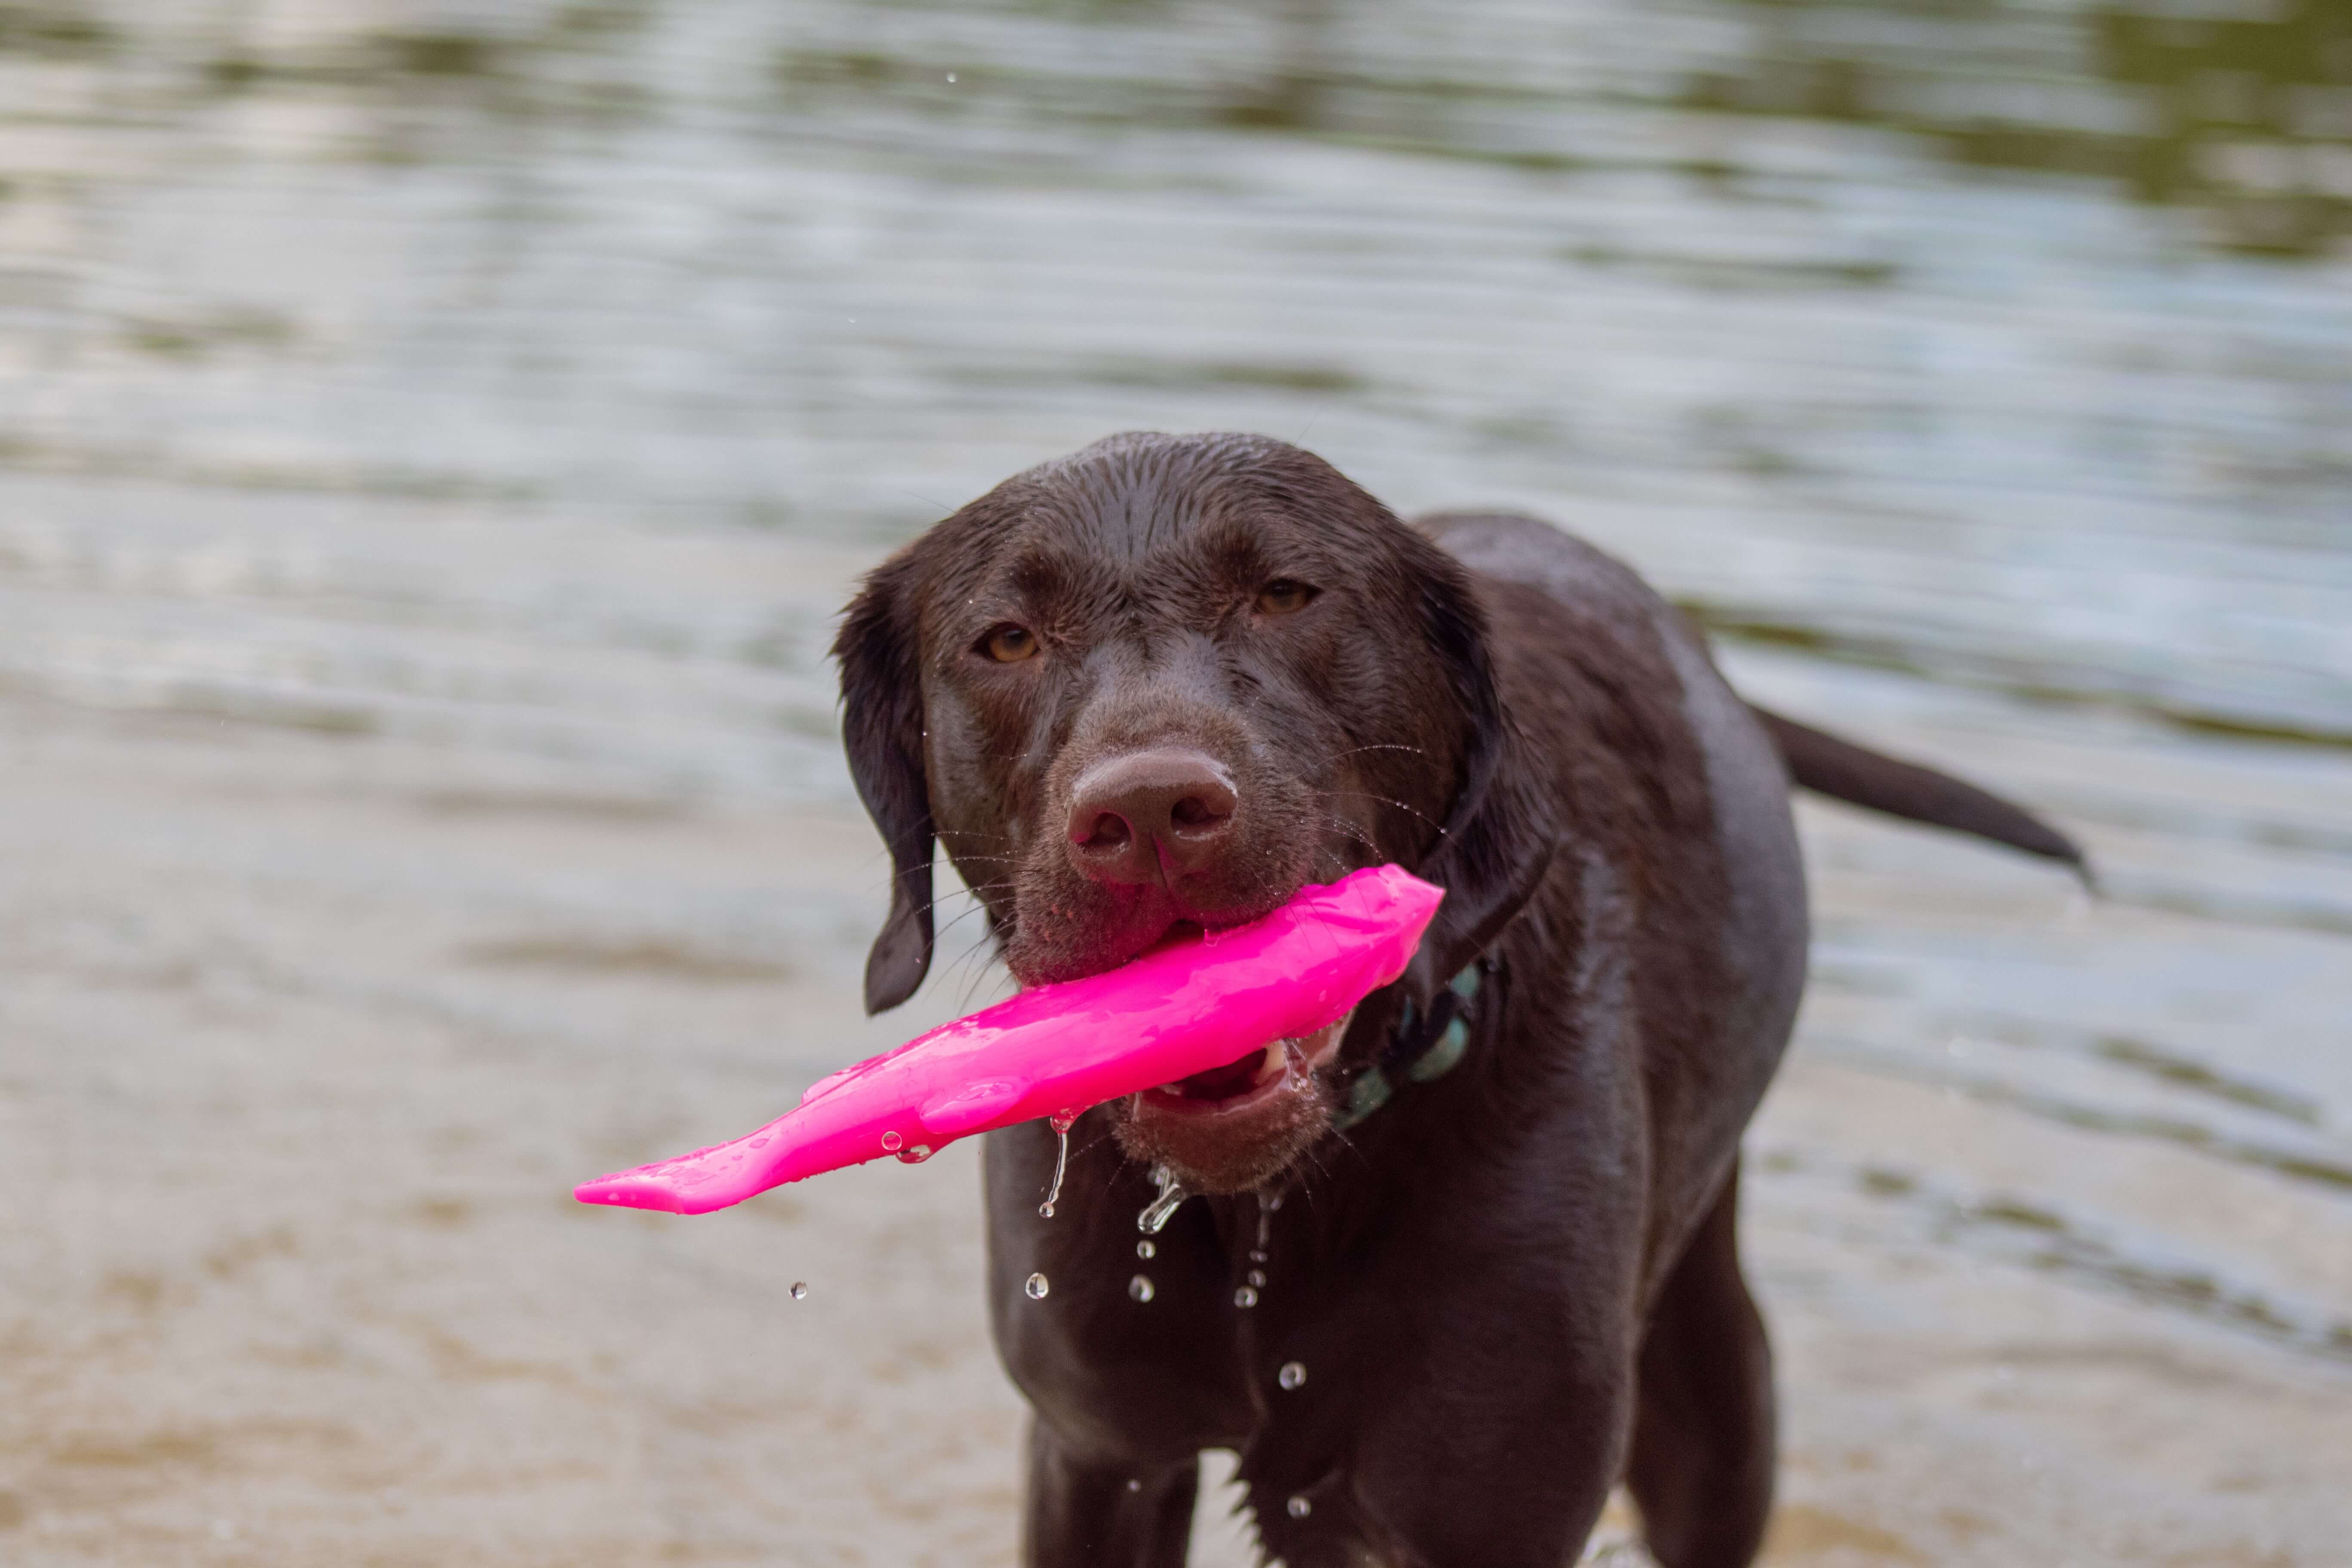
column 1456, row 1487
column 1084, row 1514
column 1455, row 1415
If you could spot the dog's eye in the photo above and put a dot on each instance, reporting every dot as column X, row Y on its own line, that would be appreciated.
column 1010, row 644
column 1283, row 596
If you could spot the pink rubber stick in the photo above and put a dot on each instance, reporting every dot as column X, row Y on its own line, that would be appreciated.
column 1059, row 1049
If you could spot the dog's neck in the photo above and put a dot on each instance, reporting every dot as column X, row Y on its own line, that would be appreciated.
column 1424, row 1046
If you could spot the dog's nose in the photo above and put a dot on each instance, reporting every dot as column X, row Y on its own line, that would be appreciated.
column 1131, row 813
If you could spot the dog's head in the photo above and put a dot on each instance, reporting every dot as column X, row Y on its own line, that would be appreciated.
column 1160, row 685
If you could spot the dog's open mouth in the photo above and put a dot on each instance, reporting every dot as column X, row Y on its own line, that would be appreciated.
column 1238, row 1126
column 1277, row 1068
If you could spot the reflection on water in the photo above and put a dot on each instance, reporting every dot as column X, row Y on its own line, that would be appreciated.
column 1982, row 369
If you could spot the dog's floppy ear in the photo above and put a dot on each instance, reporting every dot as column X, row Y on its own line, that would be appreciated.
column 882, row 730
column 1497, row 840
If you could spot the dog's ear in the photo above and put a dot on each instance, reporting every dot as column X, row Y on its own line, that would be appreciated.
column 882, row 730
column 1497, row 840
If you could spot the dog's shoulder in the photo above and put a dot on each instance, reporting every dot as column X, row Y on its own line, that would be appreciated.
column 1560, row 607
column 1512, row 547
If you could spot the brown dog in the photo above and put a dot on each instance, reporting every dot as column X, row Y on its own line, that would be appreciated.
column 1455, row 1268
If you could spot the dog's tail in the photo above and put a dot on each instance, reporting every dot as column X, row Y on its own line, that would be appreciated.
column 1827, row 765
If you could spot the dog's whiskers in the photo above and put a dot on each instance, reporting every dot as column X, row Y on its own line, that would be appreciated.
column 971, row 892
column 1387, row 800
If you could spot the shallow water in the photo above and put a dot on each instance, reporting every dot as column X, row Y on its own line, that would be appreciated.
column 526, row 380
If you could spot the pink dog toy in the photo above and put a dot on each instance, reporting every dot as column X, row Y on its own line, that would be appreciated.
column 1054, row 1050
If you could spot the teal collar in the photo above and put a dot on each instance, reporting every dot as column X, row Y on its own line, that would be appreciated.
column 1422, row 1048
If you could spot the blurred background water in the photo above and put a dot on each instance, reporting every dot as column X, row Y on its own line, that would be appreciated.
column 525, row 380
column 2008, row 343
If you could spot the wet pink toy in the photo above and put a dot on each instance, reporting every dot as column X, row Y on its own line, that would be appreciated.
column 1056, row 1050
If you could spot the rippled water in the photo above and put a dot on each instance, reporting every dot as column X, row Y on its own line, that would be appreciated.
column 1946, row 336
column 528, row 381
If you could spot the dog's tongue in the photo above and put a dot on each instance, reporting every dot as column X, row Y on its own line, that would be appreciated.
column 1187, row 1010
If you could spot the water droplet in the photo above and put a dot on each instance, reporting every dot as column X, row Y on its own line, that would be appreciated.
column 950, row 78
column 916, row 1155
column 890, row 1141
column 1133, row 1485
column 1061, row 1123
column 1298, row 1506
column 1140, row 1287
column 759, row 1143
column 1154, row 1217
column 1292, row 1375
column 1257, row 1277
column 1144, row 1248
column 1036, row 1286
column 1246, row 1296
column 800, row 1289
column 1257, row 1255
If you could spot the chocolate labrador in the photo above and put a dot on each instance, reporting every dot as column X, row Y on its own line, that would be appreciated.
column 1444, row 1273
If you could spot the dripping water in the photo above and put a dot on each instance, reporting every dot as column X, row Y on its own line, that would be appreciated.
column 1154, row 1217
column 1062, row 1122
column 1247, row 1295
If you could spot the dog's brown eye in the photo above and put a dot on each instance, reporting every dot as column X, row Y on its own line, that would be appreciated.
column 1011, row 644
column 1282, row 597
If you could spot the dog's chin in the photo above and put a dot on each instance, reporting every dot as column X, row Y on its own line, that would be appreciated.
column 1235, row 1128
